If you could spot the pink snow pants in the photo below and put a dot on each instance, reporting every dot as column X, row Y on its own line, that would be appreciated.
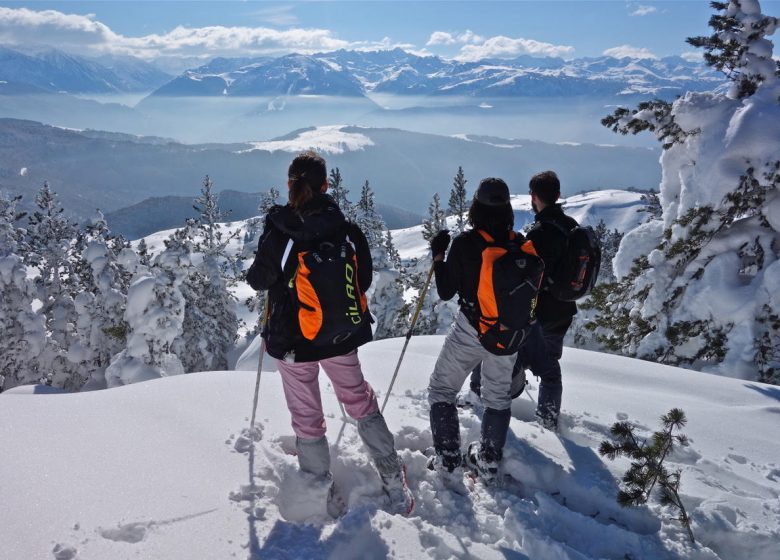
column 302, row 391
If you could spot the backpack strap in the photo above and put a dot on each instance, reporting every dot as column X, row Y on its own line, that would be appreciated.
column 557, row 226
column 489, row 238
column 287, row 250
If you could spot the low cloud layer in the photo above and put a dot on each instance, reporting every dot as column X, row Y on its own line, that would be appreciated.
column 623, row 51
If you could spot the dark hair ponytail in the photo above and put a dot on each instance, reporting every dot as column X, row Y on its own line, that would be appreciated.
column 307, row 173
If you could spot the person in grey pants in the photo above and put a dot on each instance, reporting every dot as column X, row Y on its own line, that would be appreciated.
column 490, row 212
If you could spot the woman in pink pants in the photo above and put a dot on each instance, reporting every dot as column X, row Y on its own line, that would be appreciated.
column 316, row 267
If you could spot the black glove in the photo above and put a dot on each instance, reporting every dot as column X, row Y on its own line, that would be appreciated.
column 440, row 242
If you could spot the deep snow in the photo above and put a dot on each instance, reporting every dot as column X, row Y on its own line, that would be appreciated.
column 160, row 470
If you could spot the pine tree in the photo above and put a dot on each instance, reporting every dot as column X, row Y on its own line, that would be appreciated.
column 655, row 310
column 459, row 204
column 392, row 253
column 738, row 46
column 100, row 327
column 371, row 223
column 340, row 193
column 210, row 323
column 24, row 333
column 50, row 247
column 154, row 315
column 435, row 222
column 647, row 464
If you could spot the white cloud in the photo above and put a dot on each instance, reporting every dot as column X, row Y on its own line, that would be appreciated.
column 445, row 38
column 469, row 36
column 440, row 38
column 629, row 51
column 83, row 34
column 643, row 10
column 692, row 56
column 507, row 47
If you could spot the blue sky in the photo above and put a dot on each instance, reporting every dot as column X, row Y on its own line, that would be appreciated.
column 465, row 30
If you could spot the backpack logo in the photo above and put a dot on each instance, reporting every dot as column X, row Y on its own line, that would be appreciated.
column 578, row 269
column 509, row 280
column 330, row 306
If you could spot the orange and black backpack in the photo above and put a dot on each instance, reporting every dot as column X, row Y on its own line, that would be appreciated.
column 509, row 280
column 329, row 305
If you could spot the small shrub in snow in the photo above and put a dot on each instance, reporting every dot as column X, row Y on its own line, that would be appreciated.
column 647, row 464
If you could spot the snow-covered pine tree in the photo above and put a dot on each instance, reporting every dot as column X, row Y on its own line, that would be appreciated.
column 392, row 253
column 154, row 315
column 24, row 330
column 435, row 221
column 209, row 234
column 210, row 323
column 100, row 326
column 340, row 193
column 738, row 46
column 143, row 253
column 50, row 247
column 459, row 203
column 372, row 225
column 701, row 286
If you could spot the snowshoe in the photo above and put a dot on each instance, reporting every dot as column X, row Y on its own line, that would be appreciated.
column 487, row 471
column 335, row 503
column 451, row 478
column 396, row 487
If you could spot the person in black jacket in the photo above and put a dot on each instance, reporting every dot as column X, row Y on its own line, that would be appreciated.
column 310, row 220
column 544, row 347
column 490, row 212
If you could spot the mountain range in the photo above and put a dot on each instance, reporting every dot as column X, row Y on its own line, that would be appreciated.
column 357, row 73
column 54, row 71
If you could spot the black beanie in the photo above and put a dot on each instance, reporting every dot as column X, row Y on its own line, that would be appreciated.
column 492, row 191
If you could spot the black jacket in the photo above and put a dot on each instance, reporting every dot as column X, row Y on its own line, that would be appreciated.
column 554, row 315
column 320, row 220
column 459, row 273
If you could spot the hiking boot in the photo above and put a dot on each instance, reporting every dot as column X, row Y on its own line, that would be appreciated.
column 547, row 421
column 485, row 469
column 451, row 476
column 395, row 486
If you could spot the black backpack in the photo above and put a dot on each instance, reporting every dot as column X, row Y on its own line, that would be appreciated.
column 509, row 281
column 577, row 270
column 328, row 303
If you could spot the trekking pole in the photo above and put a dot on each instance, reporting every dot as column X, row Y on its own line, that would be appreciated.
column 260, row 361
column 408, row 337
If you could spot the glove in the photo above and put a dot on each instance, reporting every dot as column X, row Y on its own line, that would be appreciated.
column 440, row 242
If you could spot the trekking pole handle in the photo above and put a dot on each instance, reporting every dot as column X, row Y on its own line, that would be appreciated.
column 408, row 337
column 260, row 360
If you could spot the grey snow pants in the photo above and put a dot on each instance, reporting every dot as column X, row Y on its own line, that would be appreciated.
column 460, row 354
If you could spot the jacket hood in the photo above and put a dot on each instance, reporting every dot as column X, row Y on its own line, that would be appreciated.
column 320, row 218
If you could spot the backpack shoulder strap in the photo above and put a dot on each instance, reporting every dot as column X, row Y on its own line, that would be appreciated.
column 287, row 251
column 557, row 226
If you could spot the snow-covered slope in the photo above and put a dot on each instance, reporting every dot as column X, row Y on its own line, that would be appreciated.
column 621, row 210
column 159, row 470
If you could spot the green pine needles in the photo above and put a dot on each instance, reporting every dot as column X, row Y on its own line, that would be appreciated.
column 647, row 468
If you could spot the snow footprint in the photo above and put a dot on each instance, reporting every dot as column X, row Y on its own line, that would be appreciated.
column 64, row 552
